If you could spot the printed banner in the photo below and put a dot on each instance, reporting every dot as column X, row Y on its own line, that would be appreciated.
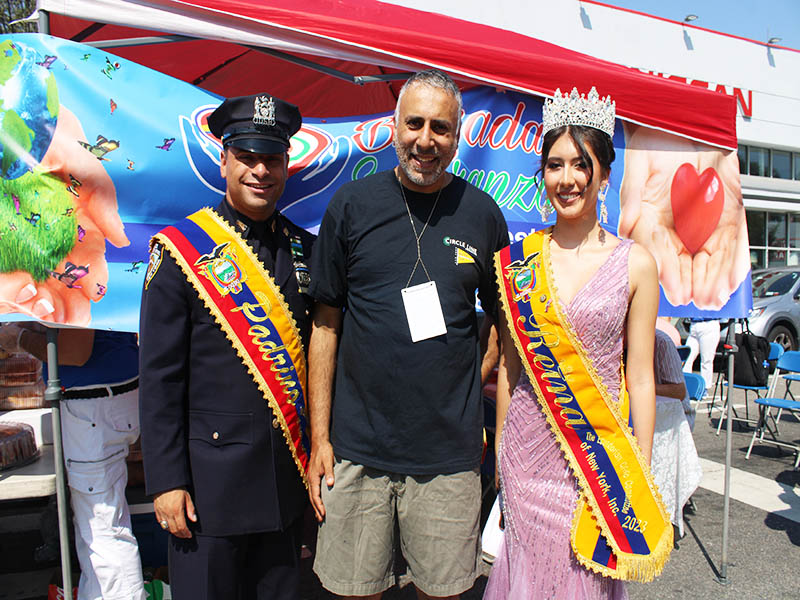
column 97, row 154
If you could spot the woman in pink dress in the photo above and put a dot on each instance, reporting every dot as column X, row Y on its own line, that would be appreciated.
column 605, row 290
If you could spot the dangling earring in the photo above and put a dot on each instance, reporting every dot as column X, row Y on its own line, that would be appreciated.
column 603, row 210
column 545, row 206
column 546, row 209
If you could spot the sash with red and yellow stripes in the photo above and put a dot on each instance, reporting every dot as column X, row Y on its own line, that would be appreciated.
column 250, row 309
column 620, row 528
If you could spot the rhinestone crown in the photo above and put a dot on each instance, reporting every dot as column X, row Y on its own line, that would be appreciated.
column 577, row 109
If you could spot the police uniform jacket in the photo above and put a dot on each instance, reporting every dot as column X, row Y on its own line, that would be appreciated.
column 205, row 424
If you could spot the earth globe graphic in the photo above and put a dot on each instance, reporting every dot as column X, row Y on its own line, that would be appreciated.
column 28, row 109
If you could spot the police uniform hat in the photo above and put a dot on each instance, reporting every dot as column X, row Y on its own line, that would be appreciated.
column 258, row 123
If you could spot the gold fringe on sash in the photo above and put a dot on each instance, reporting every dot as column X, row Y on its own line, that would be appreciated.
column 215, row 312
column 630, row 567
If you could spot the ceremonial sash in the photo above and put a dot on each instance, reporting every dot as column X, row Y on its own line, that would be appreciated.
column 250, row 309
column 620, row 528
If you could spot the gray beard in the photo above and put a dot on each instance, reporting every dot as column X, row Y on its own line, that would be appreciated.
column 415, row 177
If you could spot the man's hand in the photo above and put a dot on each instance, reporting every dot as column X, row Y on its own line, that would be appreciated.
column 321, row 368
column 320, row 465
column 710, row 275
column 490, row 347
column 173, row 507
column 671, row 390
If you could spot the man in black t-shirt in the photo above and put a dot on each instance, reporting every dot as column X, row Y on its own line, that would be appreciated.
column 394, row 360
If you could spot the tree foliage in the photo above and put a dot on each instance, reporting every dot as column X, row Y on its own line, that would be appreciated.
column 14, row 10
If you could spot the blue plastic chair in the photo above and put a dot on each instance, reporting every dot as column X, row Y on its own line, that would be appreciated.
column 695, row 385
column 775, row 353
column 789, row 363
column 789, row 378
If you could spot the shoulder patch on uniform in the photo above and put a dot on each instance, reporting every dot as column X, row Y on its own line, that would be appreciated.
column 156, row 255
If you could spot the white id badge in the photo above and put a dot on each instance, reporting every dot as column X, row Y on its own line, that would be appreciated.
column 423, row 311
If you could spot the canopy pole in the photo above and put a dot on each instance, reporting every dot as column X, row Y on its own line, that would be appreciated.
column 731, row 349
column 309, row 64
column 296, row 60
column 44, row 22
column 140, row 41
column 52, row 394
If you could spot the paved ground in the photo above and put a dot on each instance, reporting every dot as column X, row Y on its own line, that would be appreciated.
column 763, row 552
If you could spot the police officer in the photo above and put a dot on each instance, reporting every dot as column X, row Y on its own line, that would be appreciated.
column 218, row 455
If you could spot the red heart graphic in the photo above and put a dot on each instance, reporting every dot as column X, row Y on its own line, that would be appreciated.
column 696, row 204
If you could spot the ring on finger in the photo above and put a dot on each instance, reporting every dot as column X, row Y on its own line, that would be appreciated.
column 164, row 525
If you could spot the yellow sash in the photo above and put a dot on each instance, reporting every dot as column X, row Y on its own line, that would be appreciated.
column 251, row 310
column 620, row 528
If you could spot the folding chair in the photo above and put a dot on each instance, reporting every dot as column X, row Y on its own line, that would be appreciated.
column 721, row 372
column 789, row 362
column 790, row 377
column 775, row 353
column 695, row 386
column 718, row 383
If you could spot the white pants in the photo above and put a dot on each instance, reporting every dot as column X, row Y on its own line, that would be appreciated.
column 96, row 435
column 703, row 338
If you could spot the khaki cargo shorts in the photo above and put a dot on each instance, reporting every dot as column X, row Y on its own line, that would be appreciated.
column 433, row 520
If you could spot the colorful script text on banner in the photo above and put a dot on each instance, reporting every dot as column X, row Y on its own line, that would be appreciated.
column 88, row 176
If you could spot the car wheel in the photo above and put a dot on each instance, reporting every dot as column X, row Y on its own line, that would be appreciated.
column 781, row 335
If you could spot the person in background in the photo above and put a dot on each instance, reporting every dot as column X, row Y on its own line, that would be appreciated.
column 665, row 325
column 99, row 421
column 669, row 376
column 703, row 339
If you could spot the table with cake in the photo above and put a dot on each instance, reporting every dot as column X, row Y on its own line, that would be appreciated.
column 26, row 453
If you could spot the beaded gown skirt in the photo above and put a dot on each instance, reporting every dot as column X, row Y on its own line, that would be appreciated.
column 539, row 490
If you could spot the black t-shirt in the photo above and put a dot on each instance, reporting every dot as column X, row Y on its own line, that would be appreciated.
column 412, row 408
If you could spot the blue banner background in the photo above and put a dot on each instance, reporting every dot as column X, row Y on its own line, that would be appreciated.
column 167, row 163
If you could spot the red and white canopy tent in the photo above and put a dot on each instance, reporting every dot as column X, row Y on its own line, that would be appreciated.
column 373, row 39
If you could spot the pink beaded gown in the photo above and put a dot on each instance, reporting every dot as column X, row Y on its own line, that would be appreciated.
column 540, row 492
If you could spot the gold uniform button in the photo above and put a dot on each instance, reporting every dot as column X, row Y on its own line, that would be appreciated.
column 275, row 423
column 215, row 435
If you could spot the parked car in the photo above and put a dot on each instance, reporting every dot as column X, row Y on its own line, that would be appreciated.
column 776, row 306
